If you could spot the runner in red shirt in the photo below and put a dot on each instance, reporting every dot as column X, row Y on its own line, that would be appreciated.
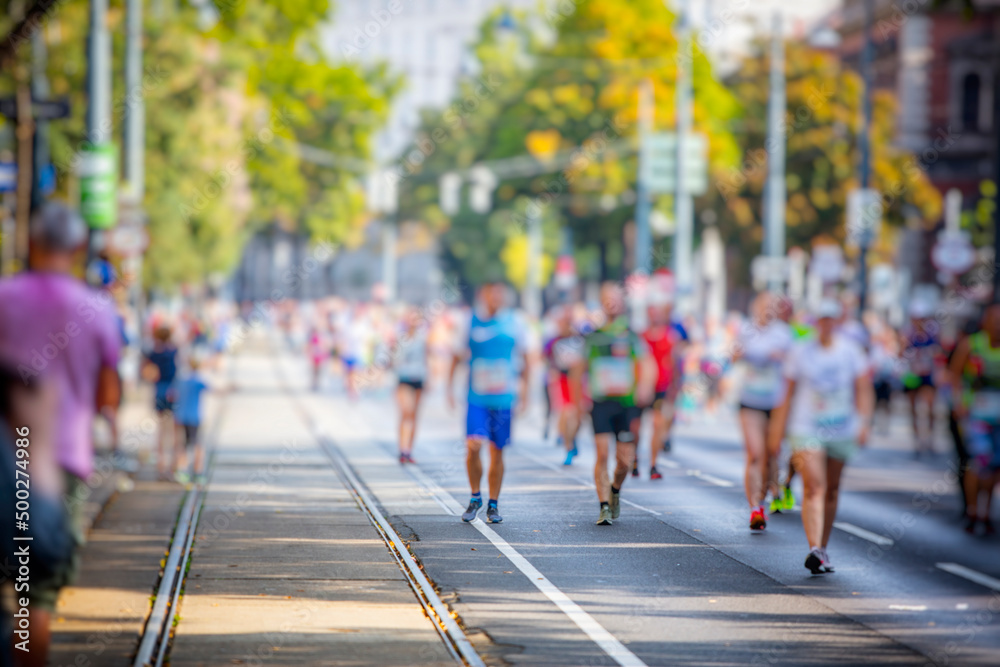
column 561, row 353
column 665, row 339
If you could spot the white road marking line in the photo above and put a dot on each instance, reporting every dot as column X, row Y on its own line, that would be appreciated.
column 880, row 540
column 971, row 575
column 585, row 482
column 711, row 479
column 908, row 607
column 604, row 639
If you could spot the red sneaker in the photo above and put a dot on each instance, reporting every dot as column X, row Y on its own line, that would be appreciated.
column 757, row 520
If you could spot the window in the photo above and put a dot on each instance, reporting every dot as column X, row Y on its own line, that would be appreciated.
column 971, row 85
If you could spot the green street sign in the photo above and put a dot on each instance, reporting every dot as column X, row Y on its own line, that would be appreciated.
column 98, row 172
column 658, row 163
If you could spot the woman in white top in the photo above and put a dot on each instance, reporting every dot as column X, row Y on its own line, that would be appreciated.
column 411, row 368
column 826, row 412
column 763, row 343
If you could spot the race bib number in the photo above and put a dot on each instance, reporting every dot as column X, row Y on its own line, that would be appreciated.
column 612, row 376
column 762, row 382
column 490, row 376
column 986, row 407
column 832, row 413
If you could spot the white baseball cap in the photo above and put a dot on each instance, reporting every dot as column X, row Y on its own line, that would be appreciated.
column 828, row 308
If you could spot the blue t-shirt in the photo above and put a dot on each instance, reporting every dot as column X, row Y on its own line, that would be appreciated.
column 493, row 345
column 187, row 406
column 165, row 361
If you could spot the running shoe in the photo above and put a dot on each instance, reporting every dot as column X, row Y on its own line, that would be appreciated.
column 988, row 527
column 616, row 505
column 787, row 499
column 472, row 510
column 635, row 470
column 654, row 473
column 570, row 455
column 777, row 504
column 666, row 445
column 181, row 477
column 408, row 458
column 605, row 517
column 493, row 514
column 814, row 562
column 970, row 524
column 402, row 458
column 827, row 565
column 758, row 521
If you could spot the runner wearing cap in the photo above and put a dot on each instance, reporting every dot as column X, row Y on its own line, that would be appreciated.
column 826, row 412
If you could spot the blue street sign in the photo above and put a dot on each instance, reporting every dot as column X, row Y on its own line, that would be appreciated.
column 8, row 176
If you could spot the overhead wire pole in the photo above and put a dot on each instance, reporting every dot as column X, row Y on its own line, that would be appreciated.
column 134, row 129
column 643, row 202
column 864, row 142
column 98, row 119
column 683, row 202
column 774, row 202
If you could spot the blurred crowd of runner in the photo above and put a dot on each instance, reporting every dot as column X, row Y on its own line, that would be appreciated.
column 806, row 385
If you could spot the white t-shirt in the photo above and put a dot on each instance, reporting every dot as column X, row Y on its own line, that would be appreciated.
column 411, row 351
column 823, row 405
column 764, row 352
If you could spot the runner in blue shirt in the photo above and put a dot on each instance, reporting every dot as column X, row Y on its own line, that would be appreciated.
column 495, row 346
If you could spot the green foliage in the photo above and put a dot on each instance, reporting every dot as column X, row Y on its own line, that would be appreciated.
column 225, row 107
column 557, row 83
column 822, row 125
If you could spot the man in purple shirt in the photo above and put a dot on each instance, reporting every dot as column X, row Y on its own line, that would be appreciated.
column 56, row 330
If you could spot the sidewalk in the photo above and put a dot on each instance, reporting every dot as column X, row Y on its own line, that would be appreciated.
column 286, row 567
column 128, row 520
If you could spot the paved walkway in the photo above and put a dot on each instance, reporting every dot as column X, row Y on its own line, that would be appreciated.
column 286, row 568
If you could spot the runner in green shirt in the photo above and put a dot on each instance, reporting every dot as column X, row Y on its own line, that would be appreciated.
column 622, row 374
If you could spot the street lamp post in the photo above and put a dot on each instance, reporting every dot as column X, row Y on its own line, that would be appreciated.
column 864, row 142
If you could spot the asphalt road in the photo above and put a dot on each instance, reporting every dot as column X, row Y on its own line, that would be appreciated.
column 679, row 579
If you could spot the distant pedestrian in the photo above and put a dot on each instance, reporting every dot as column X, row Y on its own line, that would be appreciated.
column 187, row 394
column 161, row 370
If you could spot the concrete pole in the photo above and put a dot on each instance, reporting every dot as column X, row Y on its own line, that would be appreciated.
column 864, row 142
column 98, row 74
column 98, row 118
column 39, row 91
column 643, row 203
column 774, row 218
column 683, row 202
column 533, row 286
column 135, row 106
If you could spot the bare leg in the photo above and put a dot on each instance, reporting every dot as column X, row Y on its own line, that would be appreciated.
column 624, row 461
column 834, row 469
column 659, row 434
column 915, row 420
column 568, row 425
column 473, row 464
column 602, row 443
column 812, row 466
column 753, row 425
column 496, row 471
column 161, row 444
column 929, row 395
